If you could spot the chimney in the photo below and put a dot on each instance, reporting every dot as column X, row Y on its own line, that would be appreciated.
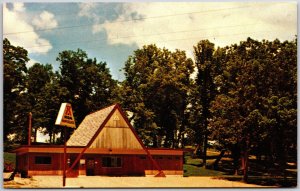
column 29, row 128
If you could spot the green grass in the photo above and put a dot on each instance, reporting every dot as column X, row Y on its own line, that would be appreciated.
column 193, row 167
column 190, row 170
column 10, row 158
column 257, row 173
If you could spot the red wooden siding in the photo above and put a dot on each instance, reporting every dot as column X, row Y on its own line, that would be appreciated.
column 131, row 165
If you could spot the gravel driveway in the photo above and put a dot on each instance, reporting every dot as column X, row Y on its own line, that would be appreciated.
column 123, row 182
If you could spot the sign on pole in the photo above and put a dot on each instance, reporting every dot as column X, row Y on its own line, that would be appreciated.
column 65, row 116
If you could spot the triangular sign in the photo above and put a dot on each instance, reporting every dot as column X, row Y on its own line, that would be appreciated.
column 65, row 116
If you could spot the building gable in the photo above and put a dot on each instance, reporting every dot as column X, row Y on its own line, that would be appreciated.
column 116, row 134
column 107, row 128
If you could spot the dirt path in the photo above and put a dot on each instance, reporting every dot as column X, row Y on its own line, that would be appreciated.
column 123, row 182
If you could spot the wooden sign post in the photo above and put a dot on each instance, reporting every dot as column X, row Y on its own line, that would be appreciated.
column 65, row 118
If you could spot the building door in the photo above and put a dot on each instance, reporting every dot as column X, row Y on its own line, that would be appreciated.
column 90, row 167
column 74, row 172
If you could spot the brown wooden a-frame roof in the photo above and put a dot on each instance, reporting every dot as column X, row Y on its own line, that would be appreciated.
column 89, row 127
column 106, row 128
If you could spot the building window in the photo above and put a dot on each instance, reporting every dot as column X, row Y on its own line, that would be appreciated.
column 143, row 157
column 42, row 160
column 112, row 162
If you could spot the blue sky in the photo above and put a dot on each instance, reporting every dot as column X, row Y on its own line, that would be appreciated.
column 111, row 32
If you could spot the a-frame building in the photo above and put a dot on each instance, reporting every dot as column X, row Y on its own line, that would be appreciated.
column 106, row 144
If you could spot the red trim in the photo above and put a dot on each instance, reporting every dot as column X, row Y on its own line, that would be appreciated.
column 62, row 146
column 169, row 149
column 75, row 150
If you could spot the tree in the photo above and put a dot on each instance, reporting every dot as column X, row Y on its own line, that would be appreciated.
column 87, row 84
column 155, row 90
column 208, row 68
column 37, row 78
column 257, row 75
column 14, row 60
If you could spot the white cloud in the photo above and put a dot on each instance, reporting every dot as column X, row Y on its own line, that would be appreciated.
column 14, row 22
column 182, row 25
column 44, row 21
column 86, row 9
column 19, row 7
column 31, row 63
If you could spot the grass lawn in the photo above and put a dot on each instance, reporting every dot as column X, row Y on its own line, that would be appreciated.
column 190, row 170
column 193, row 167
column 10, row 158
column 257, row 172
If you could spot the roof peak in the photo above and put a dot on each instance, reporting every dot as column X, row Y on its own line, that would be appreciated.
column 113, row 106
column 90, row 125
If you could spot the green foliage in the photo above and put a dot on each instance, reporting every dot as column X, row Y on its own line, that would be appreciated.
column 81, row 81
column 209, row 66
column 87, row 83
column 42, row 108
column 14, row 108
column 155, row 90
column 258, row 107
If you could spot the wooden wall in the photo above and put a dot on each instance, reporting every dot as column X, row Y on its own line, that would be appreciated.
column 132, row 165
column 116, row 134
column 137, row 165
column 26, row 164
column 45, row 169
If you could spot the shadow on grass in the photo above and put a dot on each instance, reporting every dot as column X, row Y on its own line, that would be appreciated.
column 265, row 180
column 260, row 172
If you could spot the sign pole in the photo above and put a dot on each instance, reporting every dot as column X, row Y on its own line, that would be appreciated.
column 65, row 151
column 66, row 119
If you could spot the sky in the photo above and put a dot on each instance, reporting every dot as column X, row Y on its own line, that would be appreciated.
column 110, row 32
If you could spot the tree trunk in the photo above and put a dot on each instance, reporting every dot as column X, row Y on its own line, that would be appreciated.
column 53, row 138
column 236, row 155
column 196, row 150
column 180, row 136
column 205, row 114
column 50, row 136
column 216, row 163
column 246, row 158
column 35, row 134
column 154, row 137
column 205, row 149
column 245, row 164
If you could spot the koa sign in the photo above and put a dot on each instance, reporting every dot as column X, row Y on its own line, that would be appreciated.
column 65, row 116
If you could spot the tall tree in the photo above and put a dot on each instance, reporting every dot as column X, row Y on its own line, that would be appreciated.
column 88, row 84
column 38, row 76
column 208, row 68
column 155, row 90
column 14, row 60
